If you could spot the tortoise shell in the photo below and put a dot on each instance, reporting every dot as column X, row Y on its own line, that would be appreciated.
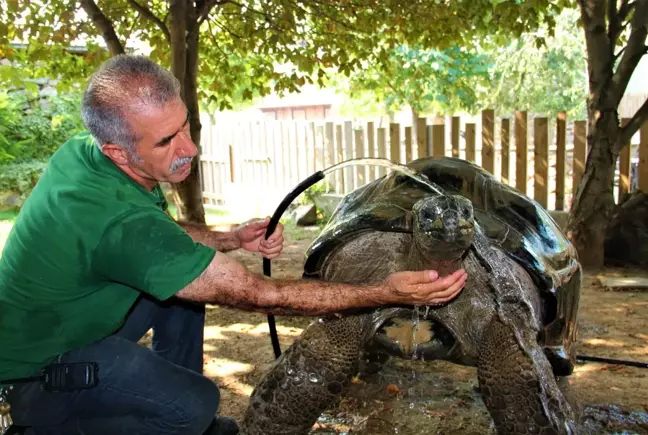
column 520, row 226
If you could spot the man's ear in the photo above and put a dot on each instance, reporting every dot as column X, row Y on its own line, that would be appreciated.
column 117, row 154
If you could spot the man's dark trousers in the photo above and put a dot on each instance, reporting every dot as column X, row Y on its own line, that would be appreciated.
column 140, row 391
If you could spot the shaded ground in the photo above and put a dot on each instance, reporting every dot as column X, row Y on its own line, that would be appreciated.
column 414, row 397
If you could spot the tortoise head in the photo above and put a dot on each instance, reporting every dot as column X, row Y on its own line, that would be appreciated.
column 444, row 226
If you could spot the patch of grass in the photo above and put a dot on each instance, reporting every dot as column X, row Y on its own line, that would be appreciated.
column 294, row 232
column 9, row 215
column 213, row 215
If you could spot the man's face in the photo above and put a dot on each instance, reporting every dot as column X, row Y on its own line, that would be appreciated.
column 165, row 149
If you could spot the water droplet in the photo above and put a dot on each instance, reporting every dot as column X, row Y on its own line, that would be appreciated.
column 314, row 378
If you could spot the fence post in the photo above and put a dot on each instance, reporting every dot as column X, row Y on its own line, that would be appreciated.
column 394, row 142
column 506, row 150
column 642, row 169
column 359, row 153
column 371, row 148
column 624, row 166
column 408, row 144
column 438, row 140
column 421, row 138
column 561, row 157
column 488, row 140
column 541, row 157
column 339, row 147
column 456, row 126
column 381, row 136
column 471, row 152
column 521, row 151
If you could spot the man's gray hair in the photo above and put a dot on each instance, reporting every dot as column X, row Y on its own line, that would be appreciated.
column 124, row 85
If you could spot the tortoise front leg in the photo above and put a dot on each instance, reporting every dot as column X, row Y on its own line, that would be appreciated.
column 308, row 378
column 520, row 392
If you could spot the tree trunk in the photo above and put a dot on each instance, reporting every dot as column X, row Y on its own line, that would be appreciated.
column 184, row 46
column 594, row 199
column 189, row 190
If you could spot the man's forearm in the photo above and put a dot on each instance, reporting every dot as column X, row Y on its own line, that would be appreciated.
column 222, row 241
column 228, row 282
column 308, row 298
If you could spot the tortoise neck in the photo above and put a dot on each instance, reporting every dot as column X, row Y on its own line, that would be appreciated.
column 418, row 260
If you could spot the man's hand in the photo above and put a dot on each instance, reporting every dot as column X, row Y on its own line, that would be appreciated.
column 425, row 287
column 251, row 235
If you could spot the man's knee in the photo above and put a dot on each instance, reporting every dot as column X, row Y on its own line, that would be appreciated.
column 196, row 407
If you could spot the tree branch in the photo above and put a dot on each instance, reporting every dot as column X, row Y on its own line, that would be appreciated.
column 104, row 25
column 146, row 13
column 206, row 8
column 614, row 22
column 635, row 49
column 624, row 9
column 626, row 133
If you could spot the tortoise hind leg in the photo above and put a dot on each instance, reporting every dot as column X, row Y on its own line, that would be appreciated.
column 308, row 378
column 520, row 393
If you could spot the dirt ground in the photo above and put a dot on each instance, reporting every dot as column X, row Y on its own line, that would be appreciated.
column 415, row 397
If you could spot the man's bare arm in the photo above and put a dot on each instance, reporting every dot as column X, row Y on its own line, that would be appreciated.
column 223, row 241
column 228, row 282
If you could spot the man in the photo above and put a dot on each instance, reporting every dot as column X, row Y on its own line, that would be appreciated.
column 93, row 262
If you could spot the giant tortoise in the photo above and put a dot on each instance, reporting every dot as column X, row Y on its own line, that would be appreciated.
column 515, row 319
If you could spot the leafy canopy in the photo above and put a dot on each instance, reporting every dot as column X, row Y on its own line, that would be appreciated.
column 241, row 43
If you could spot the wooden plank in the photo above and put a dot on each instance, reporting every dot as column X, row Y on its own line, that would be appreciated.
column 276, row 153
column 232, row 161
column 455, row 135
column 642, row 169
column 541, row 159
column 625, row 157
column 471, row 152
column 371, row 147
column 408, row 144
column 381, row 136
column 339, row 157
column 561, row 160
column 312, row 150
column 521, row 152
column 349, row 173
column 394, row 142
column 329, row 147
column 438, row 140
column 263, row 143
column 421, row 138
column 621, row 283
column 294, row 153
column 506, row 150
column 360, row 177
column 488, row 140
column 319, row 147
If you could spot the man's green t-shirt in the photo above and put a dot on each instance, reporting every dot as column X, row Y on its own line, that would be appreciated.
column 85, row 245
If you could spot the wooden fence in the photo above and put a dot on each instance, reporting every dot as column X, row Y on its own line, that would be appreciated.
column 264, row 160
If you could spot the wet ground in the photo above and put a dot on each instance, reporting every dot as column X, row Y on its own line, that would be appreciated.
column 415, row 397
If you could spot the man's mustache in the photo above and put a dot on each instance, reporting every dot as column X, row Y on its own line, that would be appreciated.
column 179, row 163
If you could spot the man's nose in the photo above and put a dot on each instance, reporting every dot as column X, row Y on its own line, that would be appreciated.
column 186, row 147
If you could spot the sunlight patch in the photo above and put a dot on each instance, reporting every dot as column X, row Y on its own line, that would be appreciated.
column 217, row 332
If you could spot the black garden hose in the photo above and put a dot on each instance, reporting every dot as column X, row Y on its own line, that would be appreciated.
column 305, row 184
column 586, row 358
